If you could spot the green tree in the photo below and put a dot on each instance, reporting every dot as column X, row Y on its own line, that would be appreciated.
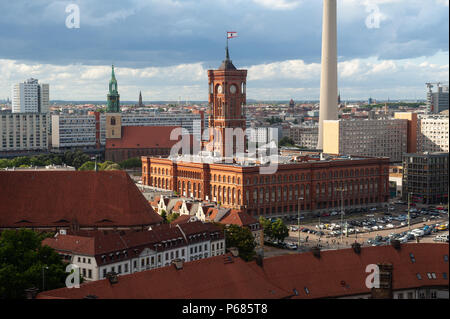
column 172, row 217
column 88, row 166
column 164, row 216
column 112, row 167
column 22, row 258
column 266, row 224
column 279, row 230
column 242, row 238
column 131, row 163
column 276, row 231
column 286, row 141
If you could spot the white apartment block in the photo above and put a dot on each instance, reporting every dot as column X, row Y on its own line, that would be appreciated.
column 305, row 135
column 377, row 138
column 72, row 130
column 432, row 135
column 30, row 97
column 23, row 132
column 264, row 135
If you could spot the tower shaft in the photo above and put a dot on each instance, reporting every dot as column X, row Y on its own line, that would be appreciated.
column 328, row 80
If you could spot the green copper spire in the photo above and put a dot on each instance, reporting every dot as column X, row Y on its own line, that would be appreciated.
column 113, row 95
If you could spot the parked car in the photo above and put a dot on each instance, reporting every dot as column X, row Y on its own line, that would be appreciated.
column 291, row 246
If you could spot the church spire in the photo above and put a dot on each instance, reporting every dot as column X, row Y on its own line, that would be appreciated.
column 113, row 95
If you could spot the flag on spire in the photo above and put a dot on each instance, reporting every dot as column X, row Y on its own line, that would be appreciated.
column 231, row 34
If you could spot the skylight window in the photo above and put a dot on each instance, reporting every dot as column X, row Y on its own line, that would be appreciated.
column 428, row 275
column 419, row 276
column 307, row 290
column 433, row 275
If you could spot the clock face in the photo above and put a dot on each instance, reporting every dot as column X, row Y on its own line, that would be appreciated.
column 233, row 89
column 219, row 89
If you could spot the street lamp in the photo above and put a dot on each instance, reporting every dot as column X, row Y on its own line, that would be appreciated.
column 298, row 219
column 43, row 277
column 341, row 189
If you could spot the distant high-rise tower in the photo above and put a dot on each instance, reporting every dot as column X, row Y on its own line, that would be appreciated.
column 30, row 97
column 291, row 106
column 140, row 99
column 113, row 95
column 328, row 81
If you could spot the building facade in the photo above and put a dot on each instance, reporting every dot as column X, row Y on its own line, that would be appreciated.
column 432, row 133
column 313, row 184
column 381, row 137
column 130, row 252
column 437, row 101
column 306, row 183
column 30, row 97
column 23, row 132
column 425, row 178
column 306, row 136
column 88, row 130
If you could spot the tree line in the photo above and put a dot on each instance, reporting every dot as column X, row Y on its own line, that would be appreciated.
column 77, row 159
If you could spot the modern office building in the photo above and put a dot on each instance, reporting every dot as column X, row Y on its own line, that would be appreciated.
column 412, row 119
column 437, row 101
column 265, row 134
column 86, row 130
column 425, row 178
column 30, row 97
column 381, row 137
column 432, row 133
column 305, row 135
column 21, row 133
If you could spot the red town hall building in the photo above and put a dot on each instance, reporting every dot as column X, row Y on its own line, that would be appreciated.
column 307, row 183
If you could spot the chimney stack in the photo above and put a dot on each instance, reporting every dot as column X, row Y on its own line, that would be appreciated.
column 234, row 251
column 112, row 277
column 31, row 293
column 316, row 251
column 178, row 263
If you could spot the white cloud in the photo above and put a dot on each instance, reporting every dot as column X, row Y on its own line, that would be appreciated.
column 279, row 80
column 278, row 4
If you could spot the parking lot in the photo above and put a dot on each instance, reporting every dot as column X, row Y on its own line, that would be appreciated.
column 370, row 227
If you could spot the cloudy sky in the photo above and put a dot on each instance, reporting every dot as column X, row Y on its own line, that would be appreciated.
column 386, row 48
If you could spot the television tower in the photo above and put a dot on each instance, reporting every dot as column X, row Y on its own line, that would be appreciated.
column 328, row 80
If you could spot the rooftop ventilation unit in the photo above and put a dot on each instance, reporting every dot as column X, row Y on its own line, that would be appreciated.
column 356, row 248
column 178, row 263
column 396, row 244
column 112, row 277
column 234, row 251
column 316, row 251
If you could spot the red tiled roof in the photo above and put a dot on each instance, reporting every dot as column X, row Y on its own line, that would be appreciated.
column 143, row 137
column 181, row 220
column 71, row 244
column 58, row 198
column 337, row 273
column 209, row 278
column 177, row 206
column 237, row 217
column 343, row 272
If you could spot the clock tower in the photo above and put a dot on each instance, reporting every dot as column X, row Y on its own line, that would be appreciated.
column 227, row 99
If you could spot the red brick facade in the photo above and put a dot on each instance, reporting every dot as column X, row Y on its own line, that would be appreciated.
column 366, row 181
